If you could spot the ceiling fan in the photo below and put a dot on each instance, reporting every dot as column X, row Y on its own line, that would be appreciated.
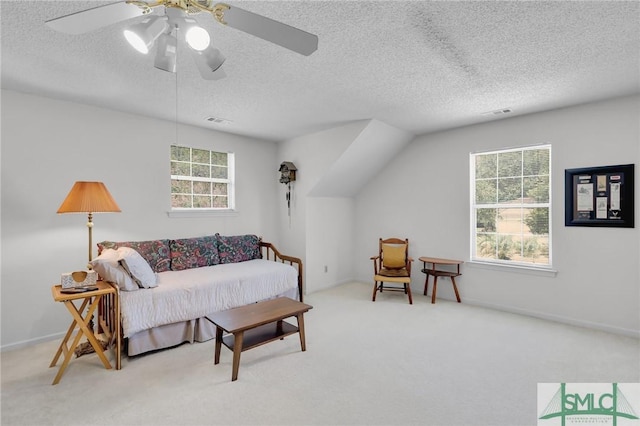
column 164, row 28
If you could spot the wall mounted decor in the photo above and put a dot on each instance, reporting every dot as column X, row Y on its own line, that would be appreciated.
column 599, row 196
column 287, row 175
column 287, row 172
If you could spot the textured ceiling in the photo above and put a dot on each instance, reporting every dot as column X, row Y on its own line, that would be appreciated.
column 420, row 66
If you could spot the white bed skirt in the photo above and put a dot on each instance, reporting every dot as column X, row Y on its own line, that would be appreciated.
column 166, row 336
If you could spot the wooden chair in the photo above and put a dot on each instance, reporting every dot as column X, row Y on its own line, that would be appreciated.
column 392, row 265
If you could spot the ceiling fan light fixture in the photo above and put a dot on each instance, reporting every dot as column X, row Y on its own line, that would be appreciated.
column 197, row 38
column 176, row 22
column 213, row 58
column 143, row 34
column 209, row 62
column 166, row 55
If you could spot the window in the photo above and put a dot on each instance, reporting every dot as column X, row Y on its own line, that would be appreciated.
column 510, row 206
column 201, row 179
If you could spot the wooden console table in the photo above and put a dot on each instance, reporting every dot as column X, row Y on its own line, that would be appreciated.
column 256, row 324
column 434, row 261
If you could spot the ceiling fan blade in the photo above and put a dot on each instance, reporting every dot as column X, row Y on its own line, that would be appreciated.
column 270, row 30
column 94, row 18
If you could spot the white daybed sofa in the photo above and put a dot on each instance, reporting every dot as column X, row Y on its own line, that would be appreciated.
column 167, row 287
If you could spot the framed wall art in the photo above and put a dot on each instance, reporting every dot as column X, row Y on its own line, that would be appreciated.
column 599, row 196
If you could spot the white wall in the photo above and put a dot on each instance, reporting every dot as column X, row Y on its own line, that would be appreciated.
column 308, row 230
column 330, row 241
column 47, row 145
column 332, row 166
column 598, row 280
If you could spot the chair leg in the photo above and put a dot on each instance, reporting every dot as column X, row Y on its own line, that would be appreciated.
column 375, row 290
column 455, row 288
column 407, row 288
column 435, row 288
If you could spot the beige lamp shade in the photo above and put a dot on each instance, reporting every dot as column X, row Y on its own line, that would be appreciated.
column 88, row 197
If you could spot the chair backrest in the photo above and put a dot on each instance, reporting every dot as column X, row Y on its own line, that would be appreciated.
column 394, row 253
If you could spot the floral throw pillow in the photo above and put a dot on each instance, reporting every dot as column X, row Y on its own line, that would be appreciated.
column 155, row 252
column 197, row 252
column 238, row 248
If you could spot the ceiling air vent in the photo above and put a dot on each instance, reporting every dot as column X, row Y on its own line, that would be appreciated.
column 498, row 112
column 217, row 120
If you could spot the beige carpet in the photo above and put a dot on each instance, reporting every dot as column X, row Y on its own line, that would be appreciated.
column 382, row 363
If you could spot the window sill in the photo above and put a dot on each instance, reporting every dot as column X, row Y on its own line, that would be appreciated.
column 518, row 269
column 185, row 214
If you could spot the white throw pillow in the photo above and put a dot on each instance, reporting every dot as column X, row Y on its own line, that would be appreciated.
column 137, row 267
column 107, row 266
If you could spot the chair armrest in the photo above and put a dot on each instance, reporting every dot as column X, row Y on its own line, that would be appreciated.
column 409, row 261
column 376, row 261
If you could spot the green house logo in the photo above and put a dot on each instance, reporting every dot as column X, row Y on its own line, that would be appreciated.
column 600, row 403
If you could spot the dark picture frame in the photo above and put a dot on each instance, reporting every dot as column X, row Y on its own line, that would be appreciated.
column 599, row 196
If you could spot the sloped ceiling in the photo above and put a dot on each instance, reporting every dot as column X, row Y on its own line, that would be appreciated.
column 365, row 156
column 419, row 66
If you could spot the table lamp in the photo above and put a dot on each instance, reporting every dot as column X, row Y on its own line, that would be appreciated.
column 89, row 197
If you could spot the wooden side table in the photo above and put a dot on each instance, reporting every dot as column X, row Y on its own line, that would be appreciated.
column 92, row 300
column 434, row 261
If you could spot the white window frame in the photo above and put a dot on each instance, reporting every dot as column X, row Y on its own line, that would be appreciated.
column 229, row 181
column 473, row 216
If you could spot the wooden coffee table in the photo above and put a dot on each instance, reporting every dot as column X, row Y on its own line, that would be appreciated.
column 254, row 325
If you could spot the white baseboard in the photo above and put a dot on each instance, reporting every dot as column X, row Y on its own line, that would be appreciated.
column 31, row 342
column 330, row 285
column 556, row 318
